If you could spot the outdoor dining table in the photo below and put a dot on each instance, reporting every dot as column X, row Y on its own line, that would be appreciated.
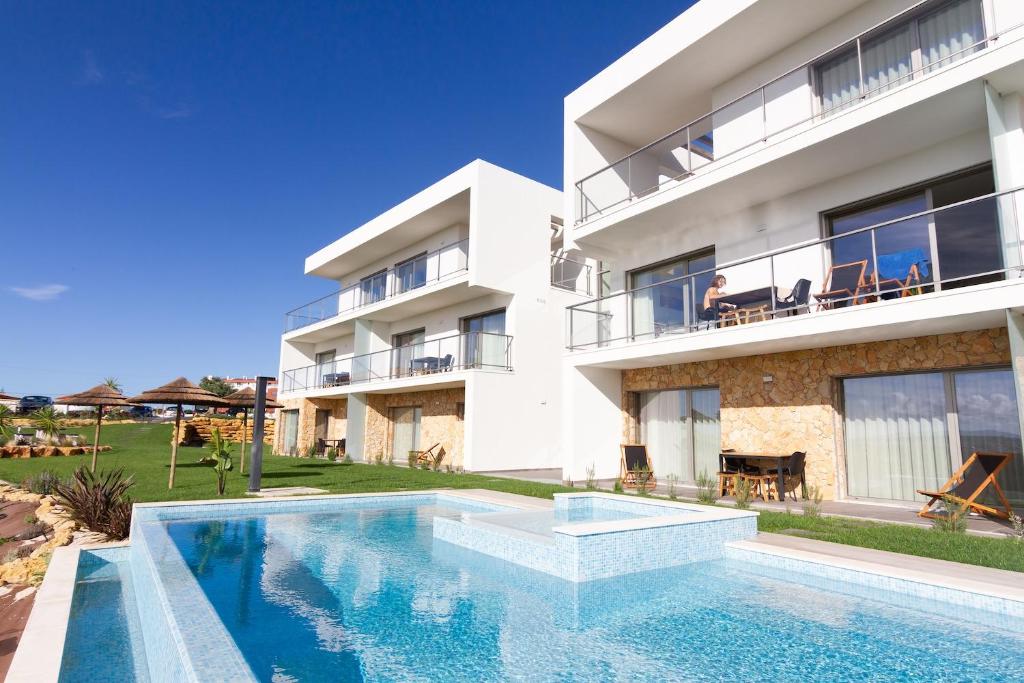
column 777, row 460
column 749, row 297
column 424, row 363
column 333, row 443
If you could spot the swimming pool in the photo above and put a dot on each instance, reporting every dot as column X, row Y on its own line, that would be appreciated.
column 368, row 593
column 363, row 590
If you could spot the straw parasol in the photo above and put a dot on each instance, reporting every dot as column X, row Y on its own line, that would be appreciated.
column 245, row 399
column 100, row 396
column 178, row 393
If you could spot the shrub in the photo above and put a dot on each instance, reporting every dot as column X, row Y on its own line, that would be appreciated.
column 99, row 502
column 672, row 480
column 347, row 460
column 6, row 423
column 618, row 486
column 707, row 488
column 332, row 453
column 591, row 479
column 812, row 506
column 1017, row 524
column 742, row 493
column 311, row 451
column 378, row 458
column 389, row 460
column 954, row 521
column 43, row 483
column 413, row 455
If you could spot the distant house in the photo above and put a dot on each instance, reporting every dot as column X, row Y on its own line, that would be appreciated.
column 239, row 383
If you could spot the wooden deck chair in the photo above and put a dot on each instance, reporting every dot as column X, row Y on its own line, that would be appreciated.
column 427, row 457
column 635, row 468
column 845, row 282
column 976, row 474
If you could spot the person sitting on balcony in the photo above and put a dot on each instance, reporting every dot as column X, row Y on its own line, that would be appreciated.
column 711, row 305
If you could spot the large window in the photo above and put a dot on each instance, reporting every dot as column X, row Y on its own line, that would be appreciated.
column 941, row 34
column 661, row 302
column 957, row 246
column 411, row 274
column 909, row 432
column 405, row 431
column 290, row 429
column 374, row 287
column 681, row 430
column 488, row 347
column 405, row 347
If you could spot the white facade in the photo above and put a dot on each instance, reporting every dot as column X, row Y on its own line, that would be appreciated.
column 726, row 136
column 480, row 241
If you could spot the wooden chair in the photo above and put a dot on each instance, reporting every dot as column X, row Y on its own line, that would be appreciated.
column 792, row 477
column 427, row 457
column 635, row 469
column 976, row 474
column 760, row 484
column 728, row 475
column 845, row 282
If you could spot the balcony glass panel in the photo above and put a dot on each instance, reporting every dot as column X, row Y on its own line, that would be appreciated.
column 885, row 253
column 470, row 350
column 911, row 45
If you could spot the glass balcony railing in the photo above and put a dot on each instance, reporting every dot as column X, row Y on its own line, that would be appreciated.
column 436, row 266
column 909, row 46
column 961, row 244
column 470, row 350
column 573, row 276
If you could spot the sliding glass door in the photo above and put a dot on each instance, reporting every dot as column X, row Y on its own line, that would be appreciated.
column 909, row 432
column 405, row 431
column 290, row 420
column 681, row 430
column 662, row 301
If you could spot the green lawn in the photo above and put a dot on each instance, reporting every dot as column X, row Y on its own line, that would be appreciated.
column 144, row 449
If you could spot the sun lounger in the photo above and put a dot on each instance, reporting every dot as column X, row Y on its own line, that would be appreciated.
column 635, row 470
column 976, row 474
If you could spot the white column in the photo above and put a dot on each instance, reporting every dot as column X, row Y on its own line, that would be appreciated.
column 1006, row 136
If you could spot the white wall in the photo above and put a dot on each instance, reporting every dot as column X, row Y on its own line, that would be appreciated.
column 592, row 421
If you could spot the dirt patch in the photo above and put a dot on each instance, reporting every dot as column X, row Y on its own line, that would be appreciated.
column 15, row 605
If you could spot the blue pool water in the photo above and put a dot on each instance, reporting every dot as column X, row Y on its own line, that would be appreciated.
column 368, row 594
column 104, row 622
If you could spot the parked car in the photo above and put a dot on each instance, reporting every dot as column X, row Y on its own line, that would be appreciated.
column 139, row 412
column 28, row 404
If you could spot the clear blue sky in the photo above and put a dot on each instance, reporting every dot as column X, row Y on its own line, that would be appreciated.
column 165, row 167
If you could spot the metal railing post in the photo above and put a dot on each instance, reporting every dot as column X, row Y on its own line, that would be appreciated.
column 860, row 70
column 774, row 288
column 874, row 265
column 689, row 152
column 764, row 117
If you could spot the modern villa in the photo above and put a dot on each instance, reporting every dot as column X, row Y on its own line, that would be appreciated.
column 445, row 326
column 853, row 170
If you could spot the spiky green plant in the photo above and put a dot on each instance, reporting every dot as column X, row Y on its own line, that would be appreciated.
column 48, row 421
column 219, row 458
column 707, row 488
column 6, row 423
column 113, row 384
column 99, row 502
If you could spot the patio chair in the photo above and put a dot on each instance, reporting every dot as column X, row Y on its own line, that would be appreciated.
column 426, row 457
column 708, row 317
column 792, row 476
column 845, row 283
column 797, row 299
column 976, row 474
column 730, row 472
column 635, row 469
column 446, row 363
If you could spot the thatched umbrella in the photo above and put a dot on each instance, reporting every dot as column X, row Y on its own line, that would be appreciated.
column 245, row 399
column 178, row 393
column 100, row 396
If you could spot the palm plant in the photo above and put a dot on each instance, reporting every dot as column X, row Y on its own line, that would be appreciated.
column 6, row 423
column 220, row 459
column 48, row 421
column 113, row 384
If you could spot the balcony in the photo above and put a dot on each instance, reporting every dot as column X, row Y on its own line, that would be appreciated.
column 572, row 276
column 903, row 50
column 429, row 359
column 905, row 259
column 431, row 268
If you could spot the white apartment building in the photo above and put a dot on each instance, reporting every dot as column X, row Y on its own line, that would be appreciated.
column 444, row 330
column 854, row 170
